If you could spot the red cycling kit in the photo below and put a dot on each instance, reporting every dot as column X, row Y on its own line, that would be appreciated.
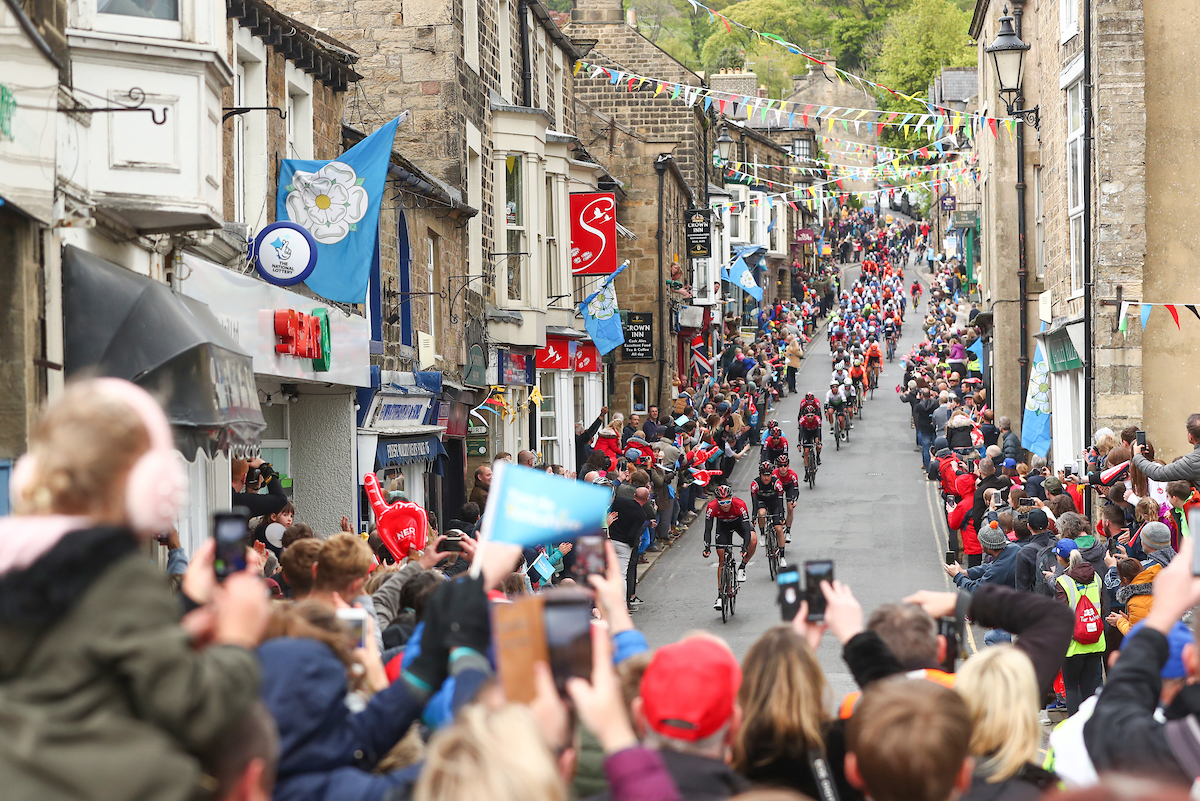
column 735, row 517
column 767, row 495
column 789, row 481
column 774, row 447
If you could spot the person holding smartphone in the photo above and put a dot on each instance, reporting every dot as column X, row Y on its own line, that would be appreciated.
column 257, row 503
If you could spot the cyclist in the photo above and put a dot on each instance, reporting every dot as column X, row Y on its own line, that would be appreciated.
column 809, row 426
column 791, row 490
column 917, row 290
column 874, row 362
column 889, row 332
column 766, row 498
column 775, row 444
column 858, row 375
column 731, row 515
column 835, row 403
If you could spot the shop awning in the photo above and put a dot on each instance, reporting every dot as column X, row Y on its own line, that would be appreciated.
column 391, row 451
column 122, row 324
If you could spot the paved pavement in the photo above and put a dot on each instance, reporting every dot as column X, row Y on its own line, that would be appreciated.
column 872, row 512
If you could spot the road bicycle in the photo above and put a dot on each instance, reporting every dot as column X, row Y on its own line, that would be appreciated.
column 770, row 541
column 809, row 449
column 727, row 588
column 873, row 378
column 839, row 426
column 891, row 347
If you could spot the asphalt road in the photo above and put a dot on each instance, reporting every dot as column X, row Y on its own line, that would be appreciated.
column 872, row 512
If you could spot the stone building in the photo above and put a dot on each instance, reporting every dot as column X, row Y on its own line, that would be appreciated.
column 821, row 86
column 1140, row 241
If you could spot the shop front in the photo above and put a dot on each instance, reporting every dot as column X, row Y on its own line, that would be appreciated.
column 309, row 357
column 511, row 426
column 1065, row 385
column 400, row 442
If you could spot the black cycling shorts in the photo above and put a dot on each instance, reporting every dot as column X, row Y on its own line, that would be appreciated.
column 724, row 530
column 774, row 506
column 791, row 494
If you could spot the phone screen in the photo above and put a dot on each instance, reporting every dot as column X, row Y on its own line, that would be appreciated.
column 814, row 573
column 450, row 545
column 590, row 557
column 569, row 639
column 229, row 531
column 948, row 628
column 1026, row 502
column 951, row 557
column 355, row 622
column 1141, row 437
column 789, row 594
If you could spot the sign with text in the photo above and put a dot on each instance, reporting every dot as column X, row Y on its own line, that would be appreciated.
column 639, row 335
column 304, row 335
column 284, row 253
column 805, row 236
column 963, row 219
column 515, row 368
column 949, row 203
column 698, row 226
column 593, row 233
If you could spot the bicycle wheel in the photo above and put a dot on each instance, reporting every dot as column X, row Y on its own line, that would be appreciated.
column 837, row 437
column 733, row 594
column 812, row 477
column 772, row 550
column 725, row 589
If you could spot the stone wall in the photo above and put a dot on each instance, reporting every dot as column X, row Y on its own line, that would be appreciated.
column 823, row 88
column 22, row 300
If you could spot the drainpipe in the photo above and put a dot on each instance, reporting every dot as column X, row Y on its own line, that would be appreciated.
column 526, row 55
column 1022, row 271
column 660, row 167
column 1089, row 347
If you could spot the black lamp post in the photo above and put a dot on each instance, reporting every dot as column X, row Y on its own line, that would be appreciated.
column 1008, row 55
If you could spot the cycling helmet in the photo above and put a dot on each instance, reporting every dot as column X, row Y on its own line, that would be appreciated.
column 783, row 460
column 773, row 425
column 833, row 382
column 809, row 396
column 724, row 494
column 765, row 466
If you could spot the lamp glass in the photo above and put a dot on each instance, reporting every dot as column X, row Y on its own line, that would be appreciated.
column 1008, row 69
column 724, row 145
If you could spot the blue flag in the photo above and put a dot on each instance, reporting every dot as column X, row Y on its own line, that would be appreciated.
column 1035, row 425
column 527, row 507
column 976, row 347
column 338, row 202
column 740, row 274
column 601, row 317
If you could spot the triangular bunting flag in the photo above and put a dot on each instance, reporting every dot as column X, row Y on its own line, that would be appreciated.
column 1174, row 315
column 1146, row 309
column 1192, row 308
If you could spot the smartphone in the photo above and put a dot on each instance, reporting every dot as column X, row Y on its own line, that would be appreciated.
column 567, row 618
column 948, row 628
column 231, row 535
column 1193, row 516
column 450, row 545
column 1069, row 469
column 816, row 571
column 591, row 558
column 354, row 620
column 1141, row 438
column 789, row 594
column 951, row 557
column 1026, row 502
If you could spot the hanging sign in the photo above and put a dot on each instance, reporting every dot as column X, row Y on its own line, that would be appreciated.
column 805, row 236
column 639, row 335
column 559, row 354
column 284, row 253
column 587, row 358
column 949, row 203
column 593, row 233
column 698, row 225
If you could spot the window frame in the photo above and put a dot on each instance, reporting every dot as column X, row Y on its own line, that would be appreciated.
column 548, row 453
column 644, row 381
column 149, row 27
column 517, row 231
column 550, row 240
column 1068, row 19
column 1075, row 184
column 1039, row 223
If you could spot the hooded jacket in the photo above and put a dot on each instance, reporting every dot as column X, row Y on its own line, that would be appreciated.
column 960, row 517
column 608, row 442
column 1138, row 595
column 101, row 693
column 958, row 432
column 326, row 751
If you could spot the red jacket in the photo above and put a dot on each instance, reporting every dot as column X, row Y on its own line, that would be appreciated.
column 608, row 442
column 960, row 517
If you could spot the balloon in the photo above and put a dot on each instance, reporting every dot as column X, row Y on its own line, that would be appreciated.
column 402, row 526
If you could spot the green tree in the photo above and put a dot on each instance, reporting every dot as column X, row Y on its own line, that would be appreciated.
column 919, row 41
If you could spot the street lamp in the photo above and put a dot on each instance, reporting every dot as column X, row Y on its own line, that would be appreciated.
column 724, row 145
column 1008, row 55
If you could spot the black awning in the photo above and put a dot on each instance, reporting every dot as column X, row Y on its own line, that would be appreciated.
column 122, row 324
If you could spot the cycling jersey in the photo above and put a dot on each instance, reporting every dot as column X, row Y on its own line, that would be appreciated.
column 789, row 481
column 835, row 398
column 734, row 518
column 767, row 494
column 774, row 446
column 809, row 408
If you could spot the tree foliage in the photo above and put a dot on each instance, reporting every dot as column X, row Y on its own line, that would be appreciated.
column 920, row 41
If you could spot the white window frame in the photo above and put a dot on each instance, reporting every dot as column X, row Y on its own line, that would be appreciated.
column 239, row 144
column 1068, row 19
column 251, row 55
column 432, row 257
column 471, row 35
column 559, row 89
column 1075, row 183
column 521, row 228
column 548, row 444
column 474, row 183
column 1039, row 224
column 755, row 222
column 139, row 26
column 550, row 245
column 299, row 113
column 504, row 39
column 541, row 67
column 644, row 381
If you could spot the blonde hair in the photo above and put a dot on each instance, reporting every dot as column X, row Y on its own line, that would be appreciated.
column 81, row 450
column 781, row 699
column 1000, row 688
column 497, row 754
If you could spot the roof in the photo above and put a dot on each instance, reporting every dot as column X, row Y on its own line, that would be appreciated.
column 314, row 52
column 955, row 85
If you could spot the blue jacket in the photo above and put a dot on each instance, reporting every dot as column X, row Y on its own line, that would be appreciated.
column 1001, row 570
column 326, row 750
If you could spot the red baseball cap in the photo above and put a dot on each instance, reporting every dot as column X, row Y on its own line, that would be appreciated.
column 689, row 688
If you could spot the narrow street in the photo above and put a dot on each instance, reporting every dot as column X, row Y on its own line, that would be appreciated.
column 872, row 512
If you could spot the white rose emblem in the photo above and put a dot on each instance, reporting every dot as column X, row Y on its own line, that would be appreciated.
column 328, row 202
column 604, row 305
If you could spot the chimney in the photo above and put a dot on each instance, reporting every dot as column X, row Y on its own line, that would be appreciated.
column 631, row 18
column 762, row 91
column 597, row 11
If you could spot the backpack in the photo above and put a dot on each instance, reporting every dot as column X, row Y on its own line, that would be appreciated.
column 1088, row 625
column 1041, row 563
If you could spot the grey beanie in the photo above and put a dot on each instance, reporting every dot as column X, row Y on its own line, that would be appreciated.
column 1155, row 536
column 993, row 537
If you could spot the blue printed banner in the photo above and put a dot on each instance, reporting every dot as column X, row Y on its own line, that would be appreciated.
column 338, row 203
column 527, row 507
column 1035, row 425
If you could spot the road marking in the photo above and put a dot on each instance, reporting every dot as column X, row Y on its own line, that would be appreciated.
column 943, row 545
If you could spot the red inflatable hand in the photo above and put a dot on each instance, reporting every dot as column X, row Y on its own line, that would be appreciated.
column 402, row 526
